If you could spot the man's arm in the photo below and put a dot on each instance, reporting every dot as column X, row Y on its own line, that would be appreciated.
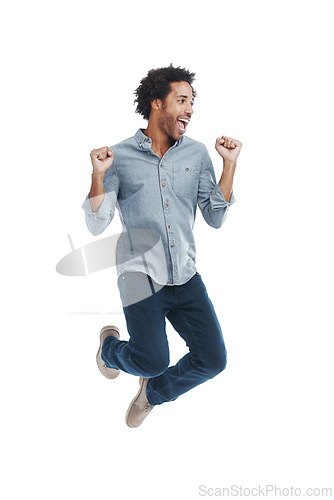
column 229, row 150
column 99, row 205
column 226, row 180
column 97, row 192
column 214, row 199
column 102, row 159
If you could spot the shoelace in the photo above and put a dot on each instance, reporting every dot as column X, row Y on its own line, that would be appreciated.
column 105, row 366
column 148, row 407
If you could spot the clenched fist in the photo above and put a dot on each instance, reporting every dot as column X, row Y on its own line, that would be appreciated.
column 102, row 159
column 228, row 148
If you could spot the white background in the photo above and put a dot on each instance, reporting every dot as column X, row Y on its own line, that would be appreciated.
column 263, row 77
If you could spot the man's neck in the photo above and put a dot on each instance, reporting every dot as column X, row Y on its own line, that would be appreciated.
column 160, row 141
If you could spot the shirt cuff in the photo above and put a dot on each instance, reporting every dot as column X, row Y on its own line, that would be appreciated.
column 217, row 199
column 104, row 209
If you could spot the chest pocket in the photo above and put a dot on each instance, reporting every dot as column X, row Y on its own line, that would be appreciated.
column 185, row 180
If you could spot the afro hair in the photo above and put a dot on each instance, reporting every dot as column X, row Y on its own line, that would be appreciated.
column 156, row 85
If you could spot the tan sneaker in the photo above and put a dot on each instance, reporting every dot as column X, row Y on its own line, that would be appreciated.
column 106, row 332
column 139, row 407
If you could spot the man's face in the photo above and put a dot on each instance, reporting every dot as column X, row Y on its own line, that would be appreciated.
column 176, row 110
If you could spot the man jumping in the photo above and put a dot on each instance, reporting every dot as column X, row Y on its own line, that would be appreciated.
column 157, row 178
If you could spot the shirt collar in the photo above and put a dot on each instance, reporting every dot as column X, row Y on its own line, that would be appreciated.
column 142, row 139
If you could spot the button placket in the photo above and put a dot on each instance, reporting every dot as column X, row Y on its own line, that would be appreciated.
column 168, row 219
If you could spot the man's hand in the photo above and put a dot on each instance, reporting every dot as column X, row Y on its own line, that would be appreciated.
column 102, row 159
column 228, row 148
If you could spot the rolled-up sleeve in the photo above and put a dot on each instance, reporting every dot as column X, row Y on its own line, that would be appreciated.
column 211, row 200
column 98, row 221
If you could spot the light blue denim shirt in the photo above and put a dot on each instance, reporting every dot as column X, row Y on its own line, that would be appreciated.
column 160, row 195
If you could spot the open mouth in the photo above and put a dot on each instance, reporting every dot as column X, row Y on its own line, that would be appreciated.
column 182, row 125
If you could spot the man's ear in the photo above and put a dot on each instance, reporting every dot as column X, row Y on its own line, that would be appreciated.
column 156, row 104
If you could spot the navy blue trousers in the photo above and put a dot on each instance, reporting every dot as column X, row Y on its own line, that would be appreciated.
column 189, row 309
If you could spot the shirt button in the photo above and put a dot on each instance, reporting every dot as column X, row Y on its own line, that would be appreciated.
column 169, row 226
column 172, row 244
column 166, row 204
column 187, row 169
column 161, row 166
column 163, row 185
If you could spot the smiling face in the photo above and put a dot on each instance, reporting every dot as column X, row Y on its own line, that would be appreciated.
column 176, row 110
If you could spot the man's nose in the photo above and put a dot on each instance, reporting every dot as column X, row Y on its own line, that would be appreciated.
column 189, row 109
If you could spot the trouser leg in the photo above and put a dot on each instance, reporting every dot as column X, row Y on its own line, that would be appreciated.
column 146, row 354
column 194, row 318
